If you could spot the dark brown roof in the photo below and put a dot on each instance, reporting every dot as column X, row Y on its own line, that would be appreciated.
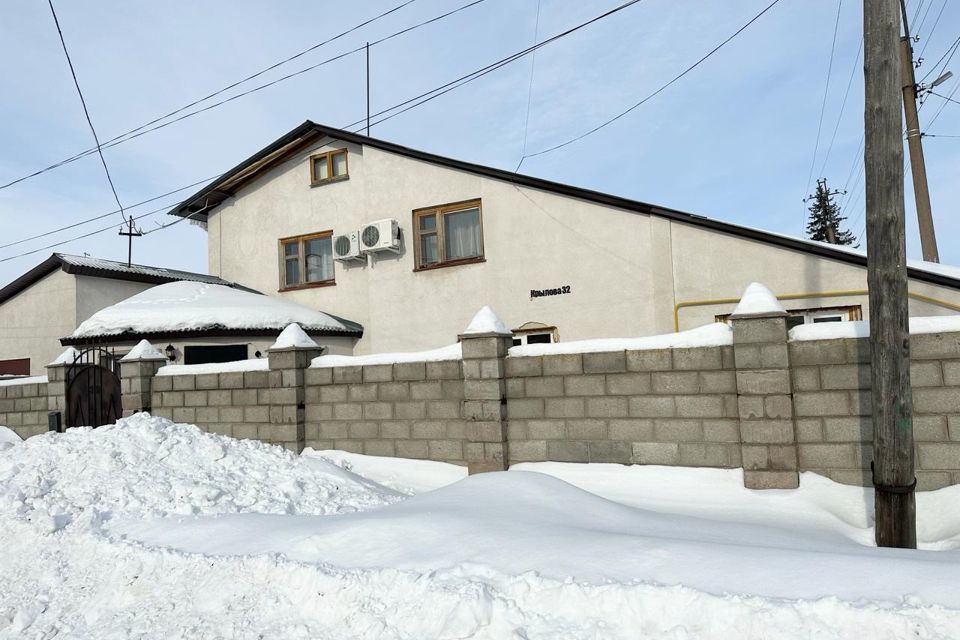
column 225, row 186
column 99, row 268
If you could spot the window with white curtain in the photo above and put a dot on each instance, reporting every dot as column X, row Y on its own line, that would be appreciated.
column 306, row 261
column 448, row 235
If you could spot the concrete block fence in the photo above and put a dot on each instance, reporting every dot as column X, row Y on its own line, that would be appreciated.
column 769, row 405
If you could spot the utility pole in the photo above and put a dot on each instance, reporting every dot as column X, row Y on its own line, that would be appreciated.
column 921, row 193
column 893, row 472
column 368, row 89
column 131, row 233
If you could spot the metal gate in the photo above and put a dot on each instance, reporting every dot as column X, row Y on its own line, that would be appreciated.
column 93, row 389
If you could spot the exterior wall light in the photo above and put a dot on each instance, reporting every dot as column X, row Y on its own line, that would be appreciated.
column 171, row 353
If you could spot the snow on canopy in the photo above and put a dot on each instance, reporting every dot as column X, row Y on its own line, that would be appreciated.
column 757, row 300
column 195, row 306
column 143, row 351
column 486, row 321
column 293, row 337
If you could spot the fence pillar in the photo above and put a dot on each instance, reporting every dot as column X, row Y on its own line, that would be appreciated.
column 137, row 370
column 57, row 383
column 287, row 368
column 485, row 400
column 765, row 395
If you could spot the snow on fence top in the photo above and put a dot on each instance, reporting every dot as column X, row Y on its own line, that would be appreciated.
column 757, row 300
column 861, row 328
column 486, row 321
column 26, row 380
column 67, row 357
column 254, row 364
column 143, row 351
column 451, row 352
column 293, row 337
column 192, row 306
column 710, row 335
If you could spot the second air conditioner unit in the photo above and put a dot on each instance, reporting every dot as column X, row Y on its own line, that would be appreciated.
column 347, row 246
column 381, row 235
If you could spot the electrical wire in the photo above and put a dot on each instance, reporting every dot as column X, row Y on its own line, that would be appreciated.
column 417, row 100
column 86, row 112
column 655, row 93
column 436, row 92
column 932, row 29
column 105, row 215
column 826, row 92
column 843, row 105
column 147, row 128
column 533, row 66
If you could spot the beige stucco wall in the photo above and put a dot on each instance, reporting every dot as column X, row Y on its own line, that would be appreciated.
column 32, row 322
column 626, row 270
column 94, row 294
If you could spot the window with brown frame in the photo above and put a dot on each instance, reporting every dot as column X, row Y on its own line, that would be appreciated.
column 448, row 235
column 328, row 167
column 306, row 261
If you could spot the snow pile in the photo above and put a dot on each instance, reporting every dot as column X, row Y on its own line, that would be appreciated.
column 8, row 438
column 451, row 352
column 24, row 380
column 143, row 351
column 293, row 337
column 757, row 300
column 67, row 357
column 145, row 466
column 716, row 334
column 486, row 321
column 401, row 474
column 861, row 328
column 191, row 306
column 253, row 364
column 521, row 522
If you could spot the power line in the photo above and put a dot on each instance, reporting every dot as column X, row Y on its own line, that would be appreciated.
column 951, row 50
column 436, row 92
column 655, row 93
column 86, row 112
column 932, row 29
column 408, row 104
column 104, row 215
column 533, row 66
column 826, row 92
column 843, row 105
column 939, row 135
column 947, row 98
column 147, row 128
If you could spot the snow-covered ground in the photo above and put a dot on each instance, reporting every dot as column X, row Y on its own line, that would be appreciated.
column 153, row 530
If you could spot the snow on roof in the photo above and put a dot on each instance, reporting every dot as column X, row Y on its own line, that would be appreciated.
column 711, row 335
column 486, row 321
column 293, row 337
column 197, row 306
column 67, row 357
column 861, row 328
column 758, row 300
column 451, row 352
column 143, row 351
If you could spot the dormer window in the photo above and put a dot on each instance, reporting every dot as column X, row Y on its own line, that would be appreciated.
column 330, row 166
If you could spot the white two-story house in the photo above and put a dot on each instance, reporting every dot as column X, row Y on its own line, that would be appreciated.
column 409, row 245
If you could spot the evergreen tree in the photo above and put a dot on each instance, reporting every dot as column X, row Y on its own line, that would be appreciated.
column 825, row 218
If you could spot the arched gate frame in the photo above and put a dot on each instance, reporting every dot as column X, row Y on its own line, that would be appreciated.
column 93, row 389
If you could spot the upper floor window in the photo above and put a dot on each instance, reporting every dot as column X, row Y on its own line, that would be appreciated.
column 448, row 235
column 306, row 261
column 327, row 167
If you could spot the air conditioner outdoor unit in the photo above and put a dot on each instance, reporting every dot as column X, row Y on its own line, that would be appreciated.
column 347, row 246
column 381, row 235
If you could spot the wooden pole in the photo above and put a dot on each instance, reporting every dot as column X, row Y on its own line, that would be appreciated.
column 893, row 472
column 368, row 89
column 918, row 167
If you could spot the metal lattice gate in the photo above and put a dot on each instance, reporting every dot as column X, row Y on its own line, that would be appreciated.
column 93, row 389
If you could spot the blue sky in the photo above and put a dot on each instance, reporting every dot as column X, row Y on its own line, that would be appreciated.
column 734, row 140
